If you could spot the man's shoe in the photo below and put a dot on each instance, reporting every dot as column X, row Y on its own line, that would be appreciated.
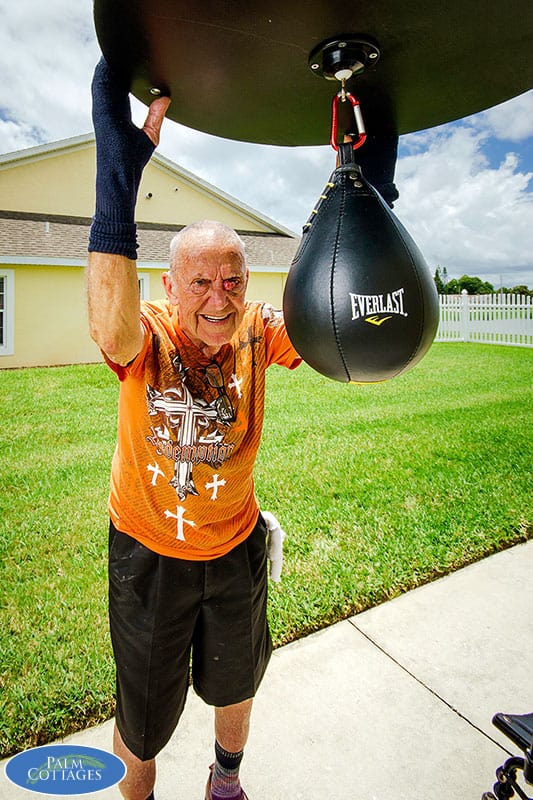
column 243, row 795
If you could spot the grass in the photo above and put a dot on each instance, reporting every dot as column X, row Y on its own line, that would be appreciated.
column 380, row 488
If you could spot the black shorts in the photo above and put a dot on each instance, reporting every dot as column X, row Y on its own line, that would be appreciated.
column 161, row 610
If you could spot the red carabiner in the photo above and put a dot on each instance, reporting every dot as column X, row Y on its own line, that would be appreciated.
column 358, row 120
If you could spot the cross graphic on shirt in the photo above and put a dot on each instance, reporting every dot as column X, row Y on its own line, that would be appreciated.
column 156, row 470
column 180, row 519
column 214, row 485
column 184, row 414
column 250, row 341
column 235, row 384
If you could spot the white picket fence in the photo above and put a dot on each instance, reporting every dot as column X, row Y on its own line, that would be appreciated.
column 486, row 318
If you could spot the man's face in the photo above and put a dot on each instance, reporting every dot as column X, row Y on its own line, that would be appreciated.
column 207, row 284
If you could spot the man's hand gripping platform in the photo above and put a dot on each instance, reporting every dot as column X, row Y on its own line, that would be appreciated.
column 122, row 152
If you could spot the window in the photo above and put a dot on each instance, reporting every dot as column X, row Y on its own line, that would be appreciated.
column 144, row 284
column 7, row 307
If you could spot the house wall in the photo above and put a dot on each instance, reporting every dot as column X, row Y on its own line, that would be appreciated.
column 64, row 184
column 267, row 286
column 45, row 294
column 175, row 200
column 60, row 184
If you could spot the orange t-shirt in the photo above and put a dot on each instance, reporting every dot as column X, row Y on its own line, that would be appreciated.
column 182, row 475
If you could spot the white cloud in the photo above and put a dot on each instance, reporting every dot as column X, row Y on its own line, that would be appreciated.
column 16, row 136
column 465, row 215
column 512, row 121
column 47, row 53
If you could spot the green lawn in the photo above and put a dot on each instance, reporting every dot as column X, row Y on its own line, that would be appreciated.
column 380, row 488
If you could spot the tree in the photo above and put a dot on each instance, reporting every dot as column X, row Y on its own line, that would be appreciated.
column 439, row 283
column 474, row 285
column 452, row 287
column 441, row 280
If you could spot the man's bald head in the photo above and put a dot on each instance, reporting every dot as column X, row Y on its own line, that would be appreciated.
column 199, row 235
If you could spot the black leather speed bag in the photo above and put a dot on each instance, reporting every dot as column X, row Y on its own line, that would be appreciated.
column 359, row 304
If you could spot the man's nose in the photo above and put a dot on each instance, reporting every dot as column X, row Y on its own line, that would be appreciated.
column 217, row 295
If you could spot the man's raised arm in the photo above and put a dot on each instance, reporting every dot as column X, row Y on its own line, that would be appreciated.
column 122, row 151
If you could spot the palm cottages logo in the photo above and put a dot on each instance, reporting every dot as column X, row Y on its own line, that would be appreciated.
column 65, row 770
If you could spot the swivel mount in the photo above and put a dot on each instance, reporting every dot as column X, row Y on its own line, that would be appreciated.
column 344, row 56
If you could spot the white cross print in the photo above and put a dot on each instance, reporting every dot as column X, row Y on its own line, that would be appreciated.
column 235, row 384
column 156, row 470
column 179, row 521
column 214, row 485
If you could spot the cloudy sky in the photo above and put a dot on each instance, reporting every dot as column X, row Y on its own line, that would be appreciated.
column 466, row 189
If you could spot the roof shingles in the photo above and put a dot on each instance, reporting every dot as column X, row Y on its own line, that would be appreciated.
column 37, row 237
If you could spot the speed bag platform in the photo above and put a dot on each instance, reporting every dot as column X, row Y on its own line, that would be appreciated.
column 248, row 69
column 359, row 303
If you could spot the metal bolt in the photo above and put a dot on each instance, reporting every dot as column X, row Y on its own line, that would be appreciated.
column 155, row 91
column 373, row 55
column 315, row 66
column 342, row 44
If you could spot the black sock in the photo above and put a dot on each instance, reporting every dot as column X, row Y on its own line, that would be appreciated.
column 225, row 779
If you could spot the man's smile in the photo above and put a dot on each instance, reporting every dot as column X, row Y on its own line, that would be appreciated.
column 215, row 319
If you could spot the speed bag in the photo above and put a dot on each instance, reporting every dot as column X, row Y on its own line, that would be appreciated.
column 359, row 303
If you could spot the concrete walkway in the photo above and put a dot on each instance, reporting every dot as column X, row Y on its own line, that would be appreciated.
column 393, row 704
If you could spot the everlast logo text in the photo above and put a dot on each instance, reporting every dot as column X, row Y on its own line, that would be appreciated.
column 366, row 305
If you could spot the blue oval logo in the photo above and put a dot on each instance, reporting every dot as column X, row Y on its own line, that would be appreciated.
column 62, row 769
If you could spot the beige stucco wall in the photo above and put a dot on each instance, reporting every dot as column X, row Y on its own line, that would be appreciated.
column 43, row 295
column 267, row 286
column 59, row 184
column 175, row 200
column 63, row 183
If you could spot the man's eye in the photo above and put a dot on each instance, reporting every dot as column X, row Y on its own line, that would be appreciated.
column 200, row 285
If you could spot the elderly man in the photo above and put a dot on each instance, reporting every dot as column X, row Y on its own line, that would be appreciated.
column 187, row 557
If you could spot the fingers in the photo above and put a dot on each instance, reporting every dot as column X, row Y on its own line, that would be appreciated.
column 154, row 120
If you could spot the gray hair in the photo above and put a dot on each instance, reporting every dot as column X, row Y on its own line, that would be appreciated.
column 189, row 236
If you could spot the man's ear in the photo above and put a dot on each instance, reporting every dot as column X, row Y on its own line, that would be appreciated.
column 169, row 288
